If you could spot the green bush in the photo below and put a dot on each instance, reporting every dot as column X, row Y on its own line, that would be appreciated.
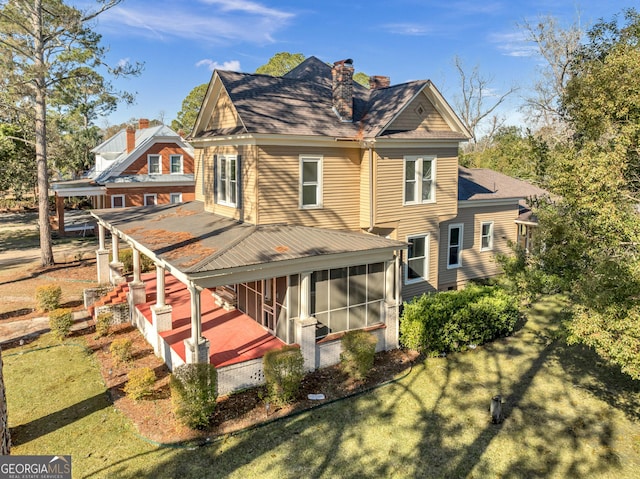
column 48, row 297
column 121, row 350
column 140, row 383
column 60, row 322
column 283, row 371
column 358, row 352
column 103, row 324
column 449, row 321
column 194, row 394
column 125, row 256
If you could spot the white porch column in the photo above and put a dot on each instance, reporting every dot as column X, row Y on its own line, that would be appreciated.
column 392, row 303
column 196, row 347
column 160, row 312
column 116, row 267
column 137, row 289
column 306, row 324
column 102, row 257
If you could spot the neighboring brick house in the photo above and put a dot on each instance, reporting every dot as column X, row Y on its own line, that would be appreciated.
column 320, row 206
column 136, row 167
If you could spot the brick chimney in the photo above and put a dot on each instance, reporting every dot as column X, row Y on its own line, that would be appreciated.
column 376, row 82
column 342, row 73
column 131, row 138
column 143, row 123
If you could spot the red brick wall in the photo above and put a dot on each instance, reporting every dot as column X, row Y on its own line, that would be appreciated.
column 135, row 196
column 140, row 166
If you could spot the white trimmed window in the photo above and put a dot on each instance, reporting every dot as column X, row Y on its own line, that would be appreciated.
column 117, row 201
column 419, row 179
column 310, row 182
column 454, row 253
column 486, row 236
column 175, row 198
column 175, row 164
column 227, row 180
column 154, row 164
column 417, row 259
column 150, row 199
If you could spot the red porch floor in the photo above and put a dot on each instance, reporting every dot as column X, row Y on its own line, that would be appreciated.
column 234, row 337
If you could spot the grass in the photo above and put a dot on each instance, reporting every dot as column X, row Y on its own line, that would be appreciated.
column 568, row 414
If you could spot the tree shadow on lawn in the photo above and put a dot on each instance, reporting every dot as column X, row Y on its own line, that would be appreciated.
column 24, row 433
column 436, row 423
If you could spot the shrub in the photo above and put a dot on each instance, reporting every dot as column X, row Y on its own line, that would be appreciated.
column 48, row 297
column 103, row 324
column 194, row 393
column 451, row 320
column 121, row 350
column 60, row 322
column 358, row 352
column 140, row 383
column 125, row 256
column 283, row 371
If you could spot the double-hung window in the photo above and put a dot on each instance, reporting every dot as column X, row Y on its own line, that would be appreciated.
column 175, row 198
column 154, row 164
column 419, row 179
column 310, row 182
column 150, row 199
column 417, row 259
column 454, row 256
column 117, row 201
column 227, row 180
column 486, row 236
column 175, row 164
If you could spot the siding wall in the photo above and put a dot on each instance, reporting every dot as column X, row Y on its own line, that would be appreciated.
column 204, row 164
column 165, row 150
column 224, row 114
column 476, row 263
column 278, row 183
column 365, row 205
column 411, row 119
column 421, row 218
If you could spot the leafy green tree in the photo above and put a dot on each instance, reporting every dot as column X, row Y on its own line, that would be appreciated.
column 47, row 45
column 17, row 169
column 281, row 63
column 187, row 115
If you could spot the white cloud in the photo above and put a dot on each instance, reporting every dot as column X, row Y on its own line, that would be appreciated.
column 233, row 65
column 513, row 44
column 406, row 29
column 123, row 62
column 210, row 21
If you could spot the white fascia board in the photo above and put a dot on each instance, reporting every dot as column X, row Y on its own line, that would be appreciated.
column 278, row 140
column 86, row 191
column 416, row 143
column 149, row 184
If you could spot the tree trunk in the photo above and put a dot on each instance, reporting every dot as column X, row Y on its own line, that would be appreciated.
column 40, row 87
column 5, row 437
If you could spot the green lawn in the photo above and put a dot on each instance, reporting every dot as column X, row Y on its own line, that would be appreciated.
column 568, row 415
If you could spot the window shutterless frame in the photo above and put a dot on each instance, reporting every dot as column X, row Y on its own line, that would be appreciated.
column 310, row 186
column 154, row 164
column 175, row 164
column 454, row 246
column 486, row 236
column 419, row 176
column 417, row 266
column 117, row 201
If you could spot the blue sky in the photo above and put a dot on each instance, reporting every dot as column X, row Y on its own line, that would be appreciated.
column 181, row 41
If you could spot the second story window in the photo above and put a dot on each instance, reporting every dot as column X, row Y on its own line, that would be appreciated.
column 419, row 179
column 175, row 164
column 227, row 180
column 310, row 182
column 154, row 164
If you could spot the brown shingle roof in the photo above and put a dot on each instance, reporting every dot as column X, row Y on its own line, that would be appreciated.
column 486, row 184
column 300, row 103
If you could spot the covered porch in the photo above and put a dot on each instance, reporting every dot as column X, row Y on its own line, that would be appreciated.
column 226, row 292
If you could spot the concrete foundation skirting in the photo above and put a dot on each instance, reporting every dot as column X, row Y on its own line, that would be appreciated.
column 240, row 376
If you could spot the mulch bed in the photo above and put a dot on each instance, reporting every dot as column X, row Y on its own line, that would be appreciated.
column 154, row 418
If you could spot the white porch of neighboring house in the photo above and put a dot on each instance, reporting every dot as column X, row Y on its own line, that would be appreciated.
column 218, row 280
column 77, row 188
